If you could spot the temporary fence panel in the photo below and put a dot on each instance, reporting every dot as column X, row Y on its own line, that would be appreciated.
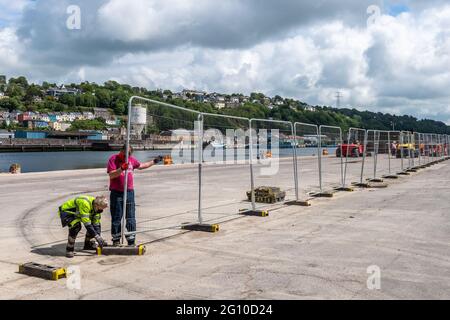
column 404, row 151
column 354, row 155
column 446, row 146
column 383, row 157
column 439, row 146
column 167, row 195
column 225, row 174
column 434, row 147
column 413, row 152
column 443, row 145
column 418, row 146
column 430, row 145
column 272, row 159
column 372, row 148
column 426, row 149
column 393, row 154
column 331, row 162
column 308, row 150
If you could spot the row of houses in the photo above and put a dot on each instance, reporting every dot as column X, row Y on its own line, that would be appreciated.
column 58, row 121
column 221, row 101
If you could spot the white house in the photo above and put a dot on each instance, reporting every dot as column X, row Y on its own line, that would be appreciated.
column 310, row 108
column 88, row 115
column 64, row 126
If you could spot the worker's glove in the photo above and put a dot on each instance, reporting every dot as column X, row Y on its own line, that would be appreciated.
column 157, row 159
column 124, row 166
column 100, row 241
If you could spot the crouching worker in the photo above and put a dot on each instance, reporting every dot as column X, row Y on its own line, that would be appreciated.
column 84, row 210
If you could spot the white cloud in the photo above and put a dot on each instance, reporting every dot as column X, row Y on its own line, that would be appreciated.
column 9, row 50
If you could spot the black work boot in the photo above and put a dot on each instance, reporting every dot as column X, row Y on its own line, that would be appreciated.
column 116, row 243
column 131, row 242
column 89, row 244
column 70, row 248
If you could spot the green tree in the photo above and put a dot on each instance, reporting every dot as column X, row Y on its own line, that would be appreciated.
column 20, row 81
column 15, row 91
column 32, row 92
column 104, row 99
column 87, row 100
column 11, row 104
column 69, row 100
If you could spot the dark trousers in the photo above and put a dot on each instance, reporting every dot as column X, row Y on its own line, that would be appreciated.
column 116, row 207
column 73, row 232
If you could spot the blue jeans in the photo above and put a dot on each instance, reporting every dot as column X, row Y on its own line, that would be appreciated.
column 116, row 207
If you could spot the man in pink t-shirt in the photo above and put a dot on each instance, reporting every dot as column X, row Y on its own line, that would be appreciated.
column 116, row 170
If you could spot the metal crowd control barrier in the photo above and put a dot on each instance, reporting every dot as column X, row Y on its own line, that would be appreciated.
column 307, row 153
column 331, row 163
column 281, row 135
column 354, row 149
column 224, row 158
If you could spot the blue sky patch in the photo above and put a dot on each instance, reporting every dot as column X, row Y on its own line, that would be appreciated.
column 396, row 9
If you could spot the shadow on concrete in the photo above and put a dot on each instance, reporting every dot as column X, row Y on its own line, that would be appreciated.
column 59, row 250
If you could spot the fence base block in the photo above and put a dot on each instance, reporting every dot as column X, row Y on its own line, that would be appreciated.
column 299, row 203
column 362, row 184
column 404, row 173
column 345, row 189
column 378, row 186
column 378, row 180
column 412, row 170
column 255, row 213
column 122, row 251
column 323, row 195
column 393, row 176
column 42, row 271
column 201, row 227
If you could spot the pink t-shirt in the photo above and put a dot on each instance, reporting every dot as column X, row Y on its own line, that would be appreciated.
column 118, row 183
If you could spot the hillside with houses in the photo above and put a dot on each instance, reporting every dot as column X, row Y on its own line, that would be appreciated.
column 89, row 106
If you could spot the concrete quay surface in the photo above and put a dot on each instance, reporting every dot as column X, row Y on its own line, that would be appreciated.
column 318, row 252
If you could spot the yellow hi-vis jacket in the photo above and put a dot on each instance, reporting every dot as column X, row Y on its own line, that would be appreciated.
column 83, row 210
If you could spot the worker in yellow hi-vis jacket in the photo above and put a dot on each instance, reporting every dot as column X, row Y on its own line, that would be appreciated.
column 84, row 210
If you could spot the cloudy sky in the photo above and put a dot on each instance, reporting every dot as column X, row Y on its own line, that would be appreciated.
column 389, row 56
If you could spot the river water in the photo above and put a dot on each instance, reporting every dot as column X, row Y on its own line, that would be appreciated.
column 54, row 161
